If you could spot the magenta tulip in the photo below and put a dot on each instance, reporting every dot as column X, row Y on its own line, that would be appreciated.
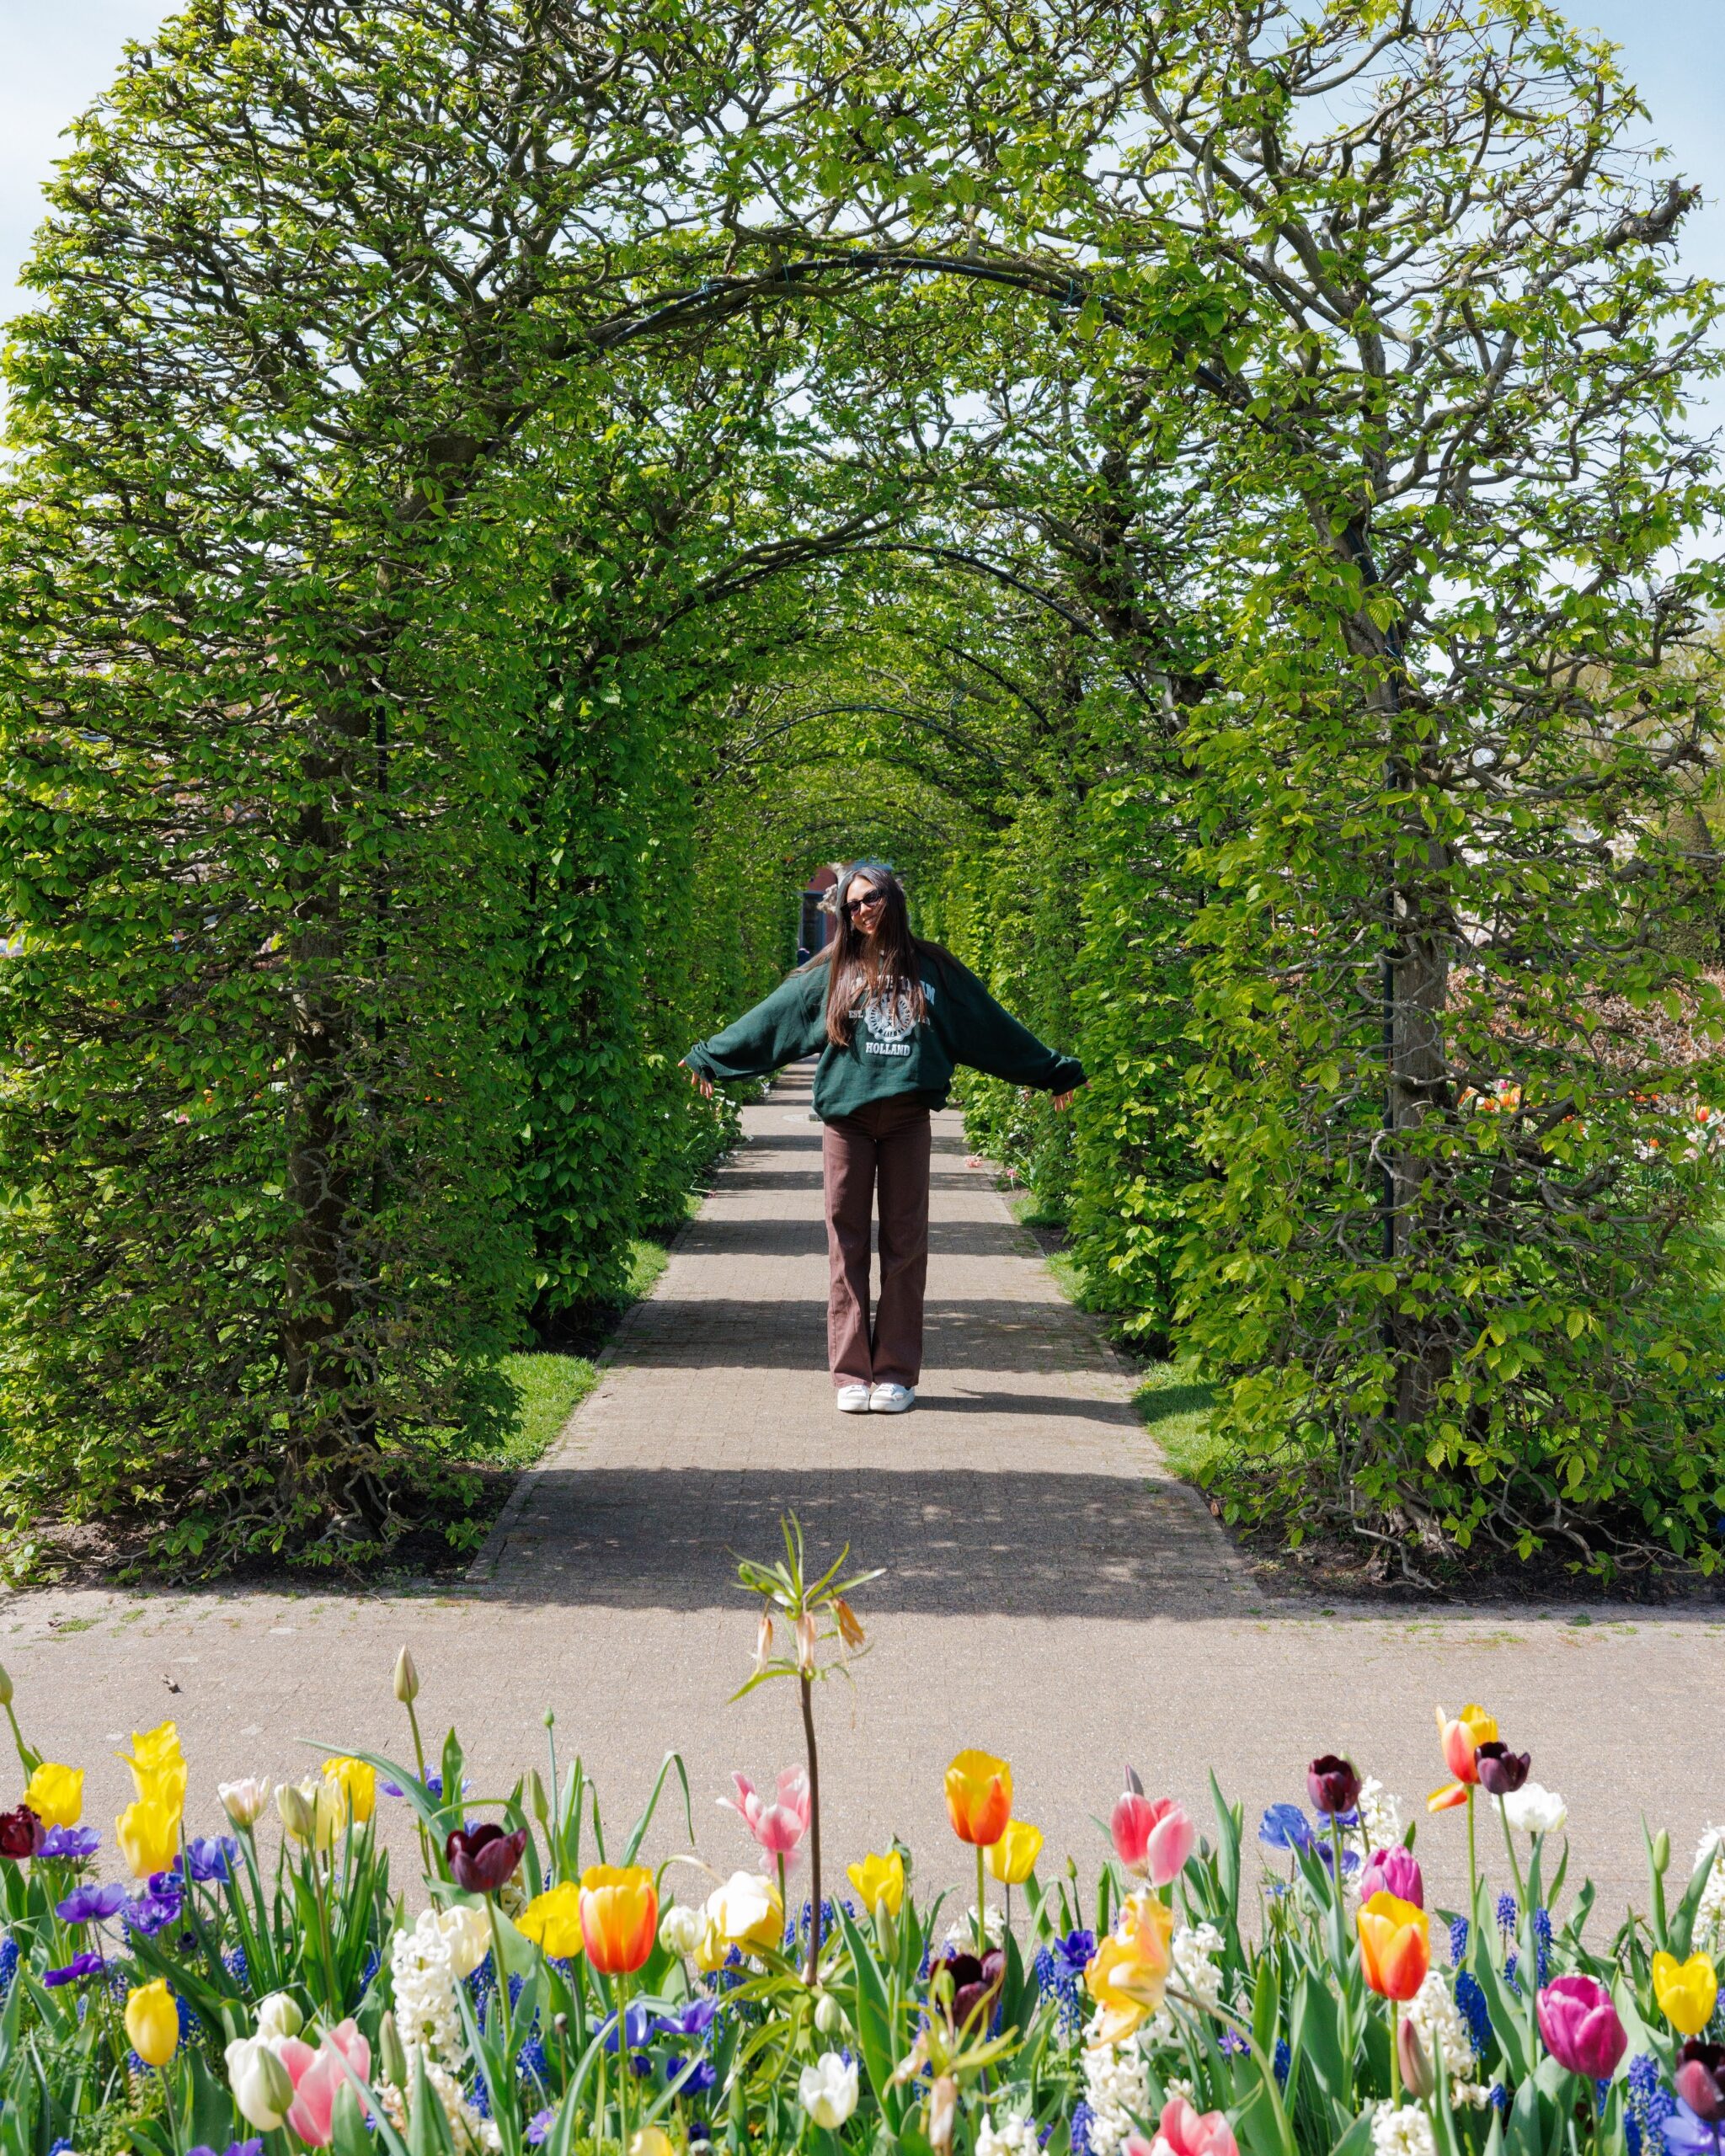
column 481, row 1858
column 1153, row 1837
column 1581, row 2028
column 1392, row 1871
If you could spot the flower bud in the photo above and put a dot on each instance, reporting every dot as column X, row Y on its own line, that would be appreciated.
column 680, row 1930
column 392, row 2056
column 1662, row 1852
column 244, row 1801
column 297, row 1816
column 5, row 1689
column 763, row 1641
column 829, row 2015
column 943, row 2110
column 407, row 1679
column 263, row 2090
column 850, row 1630
column 279, row 2015
column 1417, row 2076
column 651, row 2141
column 806, row 1637
column 538, row 1802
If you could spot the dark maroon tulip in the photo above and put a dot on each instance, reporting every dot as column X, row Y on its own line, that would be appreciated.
column 973, row 1981
column 481, row 1858
column 21, row 1834
column 1333, row 1784
column 1700, row 2079
column 1501, row 1771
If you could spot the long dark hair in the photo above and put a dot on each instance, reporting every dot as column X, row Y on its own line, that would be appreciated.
column 867, row 967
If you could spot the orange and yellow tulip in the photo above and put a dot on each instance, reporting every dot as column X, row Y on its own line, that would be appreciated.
column 1461, row 1739
column 979, row 1798
column 1128, row 1971
column 619, row 1917
column 1395, row 1946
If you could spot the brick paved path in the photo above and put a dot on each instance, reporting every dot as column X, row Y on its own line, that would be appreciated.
column 1047, row 1594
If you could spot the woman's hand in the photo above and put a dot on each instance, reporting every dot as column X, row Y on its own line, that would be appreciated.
column 703, row 1086
column 1065, row 1100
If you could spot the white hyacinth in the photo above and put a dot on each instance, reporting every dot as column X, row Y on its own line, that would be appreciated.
column 1380, row 1815
column 1402, row 2130
column 1117, row 2088
column 1013, row 2137
column 1197, row 1950
column 422, row 1969
column 1444, row 2034
column 1710, row 1913
column 471, row 2135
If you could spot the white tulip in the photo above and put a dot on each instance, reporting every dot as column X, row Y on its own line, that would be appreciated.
column 1533, row 1810
column 244, row 1801
column 261, row 2085
column 680, row 1930
column 277, row 2016
column 468, row 1936
column 828, row 2089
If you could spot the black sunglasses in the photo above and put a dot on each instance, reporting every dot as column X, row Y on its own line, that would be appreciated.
column 874, row 899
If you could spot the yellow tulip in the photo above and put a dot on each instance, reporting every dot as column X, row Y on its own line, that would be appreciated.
column 358, row 1783
column 552, row 1921
column 157, row 1764
column 745, row 1911
column 651, row 2141
column 1687, row 1991
column 1129, row 1972
column 878, row 1879
column 148, row 1835
column 1013, row 1858
column 153, row 2023
column 56, row 1795
column 978, row 1797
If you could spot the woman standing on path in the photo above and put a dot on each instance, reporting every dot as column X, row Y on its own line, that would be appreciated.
column 890, row 1015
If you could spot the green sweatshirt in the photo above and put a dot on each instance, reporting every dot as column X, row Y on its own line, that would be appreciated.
column 887, row 1059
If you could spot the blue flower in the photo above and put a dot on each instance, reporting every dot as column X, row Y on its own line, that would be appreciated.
column 91, row 1904
column 1499, row 2097
column 1082, row 2117
column 60, row 2147
column 8, row 1961
column 703, row 2077
column 1458, row 1942
column 540, row 2125
column 154, row 1911
column 234, row 1962
column 695, row 2020
column 71, row 1845
column 1509, row 1916
column 1687, row 2135
column 1283, row 2061
column 1075, row 1952
column 1286, row 1826
column 75, row 1970
column 207, row 1857
column 530, row 2061
column 1229, row 2044
column 1542, row 1944
column 1471, row 2002
column 638, row 2026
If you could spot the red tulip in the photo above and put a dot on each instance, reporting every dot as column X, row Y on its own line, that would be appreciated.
column 21, row 1834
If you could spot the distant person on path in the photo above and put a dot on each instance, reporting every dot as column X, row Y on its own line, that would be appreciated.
column 889, row 1015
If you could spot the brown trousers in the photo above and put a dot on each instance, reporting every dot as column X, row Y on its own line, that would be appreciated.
column 887, row 1143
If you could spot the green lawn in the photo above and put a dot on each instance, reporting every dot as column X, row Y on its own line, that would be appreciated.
column 552, row 1386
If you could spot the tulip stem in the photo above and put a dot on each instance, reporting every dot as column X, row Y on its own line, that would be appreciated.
column 1395, row 2053
column 1339, row 1907
column 168, row 2106
column 1514, row 1866
column 982, row 1889
column 808, row 1688
column 625, row 2065
column 420, row 1761
column 331, row 2000
column 1473, row 1861
column 500, row 1970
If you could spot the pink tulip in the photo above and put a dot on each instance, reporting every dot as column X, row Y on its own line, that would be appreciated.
column 342, row 2055
column 778, row 1826
column 1183, row 2132
column 1580, row 2026
column 1152, row 1836
column 1392, row 1871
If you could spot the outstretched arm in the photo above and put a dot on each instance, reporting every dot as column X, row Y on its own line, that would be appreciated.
column 788, row 1024
column 989, row 1038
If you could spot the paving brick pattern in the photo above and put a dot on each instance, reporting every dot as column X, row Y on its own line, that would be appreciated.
column 1047, row 1592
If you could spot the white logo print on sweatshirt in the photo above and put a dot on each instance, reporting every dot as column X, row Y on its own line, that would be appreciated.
column 888, row 1023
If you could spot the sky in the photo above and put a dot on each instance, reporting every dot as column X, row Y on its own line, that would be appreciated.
column 60, row 54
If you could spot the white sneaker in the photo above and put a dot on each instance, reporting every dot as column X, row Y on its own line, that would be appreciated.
column 892, row 1399
column 852, row 1399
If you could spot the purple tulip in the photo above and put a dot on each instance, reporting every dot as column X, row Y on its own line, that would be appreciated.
column 1501, row 1771
column 1332, row 1784
column 481, row 1858
column 973, row 1981
column 1700, row 2079
column 80, row 1965
column 71, row 1845
column 1392, row 1871
column 91, row 1904
column 1581, row 2028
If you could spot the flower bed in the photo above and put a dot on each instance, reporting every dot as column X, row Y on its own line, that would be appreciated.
column 269, row 1988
